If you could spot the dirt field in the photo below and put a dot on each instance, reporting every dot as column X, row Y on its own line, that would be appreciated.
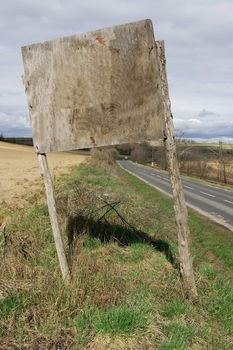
column 19, row 171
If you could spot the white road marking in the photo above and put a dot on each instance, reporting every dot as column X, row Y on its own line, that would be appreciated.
column 159, row 176
column 207, row 194
column 191, row 188
column 225, row 200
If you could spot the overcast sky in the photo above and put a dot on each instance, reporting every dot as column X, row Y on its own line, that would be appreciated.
column 198, row 37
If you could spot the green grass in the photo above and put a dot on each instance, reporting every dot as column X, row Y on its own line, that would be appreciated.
column 114, row 321
column 227, row 146
column 206, row 235
column 91, row 243
column 220, row 305
column 175, row 308
column 125, row 292
column 12, row 303
column 179, row 336
column 139, row 251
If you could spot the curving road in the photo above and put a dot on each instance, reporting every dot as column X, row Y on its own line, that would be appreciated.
column 213, row 202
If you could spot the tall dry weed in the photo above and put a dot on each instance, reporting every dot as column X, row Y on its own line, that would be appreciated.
column 104, row 156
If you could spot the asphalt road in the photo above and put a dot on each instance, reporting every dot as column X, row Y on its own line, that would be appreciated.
column 216, row 203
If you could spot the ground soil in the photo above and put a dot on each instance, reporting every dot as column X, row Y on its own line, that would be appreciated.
column 20, row 174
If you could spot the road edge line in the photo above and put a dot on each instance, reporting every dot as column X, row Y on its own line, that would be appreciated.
column 200, row 211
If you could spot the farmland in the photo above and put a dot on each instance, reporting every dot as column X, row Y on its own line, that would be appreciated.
column 20, row 172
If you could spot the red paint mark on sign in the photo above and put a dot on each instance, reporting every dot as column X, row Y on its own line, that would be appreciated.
column 93, row 141
column 100, row 39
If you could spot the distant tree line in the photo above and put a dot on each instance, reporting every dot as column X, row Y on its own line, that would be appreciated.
column 18, row 140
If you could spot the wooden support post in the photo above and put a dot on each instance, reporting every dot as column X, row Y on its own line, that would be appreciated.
column 186, row 265
column 53, row 217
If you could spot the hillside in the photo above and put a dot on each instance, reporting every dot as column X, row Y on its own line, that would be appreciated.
column 126, row 292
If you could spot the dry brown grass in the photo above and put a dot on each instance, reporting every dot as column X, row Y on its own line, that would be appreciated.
column 104, row 342
column 104, row 156
column 20, row 173
column 209, row 169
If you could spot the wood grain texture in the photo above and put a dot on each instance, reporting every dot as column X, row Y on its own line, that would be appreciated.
column 95, row 89
column 186, row 263
column 53, row 218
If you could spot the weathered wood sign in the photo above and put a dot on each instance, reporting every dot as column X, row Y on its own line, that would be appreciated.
column 95, row 89
column 103, row 88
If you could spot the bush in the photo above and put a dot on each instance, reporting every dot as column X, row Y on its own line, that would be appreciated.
column 140, row 153
column 104, row 156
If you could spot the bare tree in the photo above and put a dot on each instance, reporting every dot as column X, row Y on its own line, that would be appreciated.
column 140, row 153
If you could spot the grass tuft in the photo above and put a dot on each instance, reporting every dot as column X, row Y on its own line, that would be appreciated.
column 12, row 303
column 114, row 321
column 174, row 308
column 179, row 337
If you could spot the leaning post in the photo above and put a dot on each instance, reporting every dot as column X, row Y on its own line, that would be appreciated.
column 186, row 264
column 53, row 217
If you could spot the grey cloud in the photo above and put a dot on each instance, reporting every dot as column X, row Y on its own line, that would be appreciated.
column 224, row 139
column 198, row 37
column 15, row 124
column 212, row 125
column 205, row 113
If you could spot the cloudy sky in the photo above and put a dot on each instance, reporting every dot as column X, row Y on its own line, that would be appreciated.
column 199, row 47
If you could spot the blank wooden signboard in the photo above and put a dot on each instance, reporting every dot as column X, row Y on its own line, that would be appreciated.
column 103, row 88
column 95, row 89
